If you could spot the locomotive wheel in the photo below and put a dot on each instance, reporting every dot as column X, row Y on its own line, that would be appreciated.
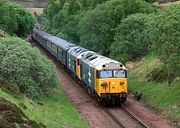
column 104, row 102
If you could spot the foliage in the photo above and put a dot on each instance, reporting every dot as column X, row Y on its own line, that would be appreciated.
column 62, row 19
column 91, row 4
column 25, row 67
column 97, row 27
column 64, row 15
column 163, row 31
column 15, row 19
column 130, row 40
column 68, row 19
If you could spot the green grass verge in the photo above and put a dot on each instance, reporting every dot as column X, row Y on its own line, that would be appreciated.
column 55, row 112
column 162, row 97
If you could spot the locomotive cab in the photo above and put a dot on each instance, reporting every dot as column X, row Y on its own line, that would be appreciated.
column 111, row 82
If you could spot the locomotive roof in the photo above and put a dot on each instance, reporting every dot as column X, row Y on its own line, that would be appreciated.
column 80, row 52
column 97, row 61
column 55, row 40
column 76, row 51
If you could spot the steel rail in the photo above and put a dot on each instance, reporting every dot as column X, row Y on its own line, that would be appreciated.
column 113, row 117
column 134, row 117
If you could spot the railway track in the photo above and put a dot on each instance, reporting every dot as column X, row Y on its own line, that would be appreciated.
column 124, row 118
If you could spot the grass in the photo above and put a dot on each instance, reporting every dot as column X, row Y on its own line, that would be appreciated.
column 55, row 112
column 162, row 97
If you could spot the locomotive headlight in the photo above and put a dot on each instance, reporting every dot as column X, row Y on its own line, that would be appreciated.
column 121, row 82
column 112, row 82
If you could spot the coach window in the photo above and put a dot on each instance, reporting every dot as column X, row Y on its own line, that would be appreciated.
column 49, row 44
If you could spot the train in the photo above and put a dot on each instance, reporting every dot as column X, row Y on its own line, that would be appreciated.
column 104, row 78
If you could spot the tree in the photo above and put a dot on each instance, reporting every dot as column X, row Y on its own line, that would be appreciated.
column 163, row 31
column 97, row 27
column 131, row 41
column 15, row 19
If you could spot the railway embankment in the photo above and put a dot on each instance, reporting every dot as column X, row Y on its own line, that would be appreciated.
column 13, row 116
column 157, row 95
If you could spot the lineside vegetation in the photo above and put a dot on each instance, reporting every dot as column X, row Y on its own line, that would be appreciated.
column 123, row 30
column 25, row 67
column 14, row 19
column 128, row 30
column 28, row 80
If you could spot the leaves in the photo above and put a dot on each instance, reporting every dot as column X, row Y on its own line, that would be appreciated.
column 15, row 19
column 163, row 31
column 97, row 27
column 130, row 39
column 25, row 67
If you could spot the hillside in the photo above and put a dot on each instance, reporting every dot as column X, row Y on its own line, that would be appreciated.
column 159, row 96
column 14, row 117
column 45, row 111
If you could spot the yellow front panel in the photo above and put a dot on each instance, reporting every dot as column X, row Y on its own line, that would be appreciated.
column 113, row 85
column 78, row 69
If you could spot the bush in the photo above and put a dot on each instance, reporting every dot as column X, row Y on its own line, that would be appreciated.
column 130, row 39
column 163, row 31
column 15, row 19
column 24, row 66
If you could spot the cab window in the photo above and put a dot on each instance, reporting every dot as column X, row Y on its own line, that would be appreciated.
column 105, row 74
column 119, row 73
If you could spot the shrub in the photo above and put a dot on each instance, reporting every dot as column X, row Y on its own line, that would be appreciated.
column 24, row 66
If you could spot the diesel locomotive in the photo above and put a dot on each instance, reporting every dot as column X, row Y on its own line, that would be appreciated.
column 103, row 78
